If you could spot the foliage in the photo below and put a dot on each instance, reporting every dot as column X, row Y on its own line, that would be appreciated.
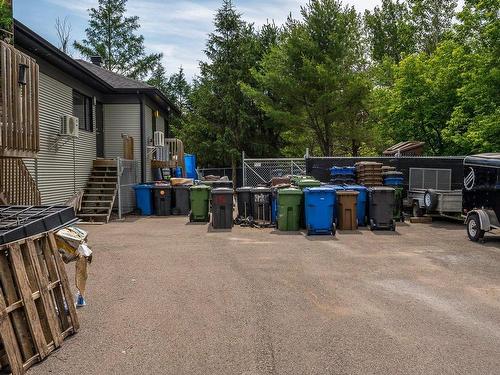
column 6, row 20
column 111, row 35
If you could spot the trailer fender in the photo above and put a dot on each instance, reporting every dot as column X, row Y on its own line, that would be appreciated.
column 484, row 219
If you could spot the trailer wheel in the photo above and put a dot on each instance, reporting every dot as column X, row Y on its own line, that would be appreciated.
column 430, row 200
column 417, row 211
column 474, row 230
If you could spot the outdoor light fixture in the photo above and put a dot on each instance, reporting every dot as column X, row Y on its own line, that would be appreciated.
column 23, row 69
column 157, row 113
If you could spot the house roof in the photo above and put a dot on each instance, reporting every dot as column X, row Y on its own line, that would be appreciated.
column 115, row 80
column 403, row 147
column 98, row 77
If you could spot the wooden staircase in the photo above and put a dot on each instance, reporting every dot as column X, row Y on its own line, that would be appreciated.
column 100, row 193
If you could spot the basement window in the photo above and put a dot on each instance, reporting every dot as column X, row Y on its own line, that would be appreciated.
column 82, row 108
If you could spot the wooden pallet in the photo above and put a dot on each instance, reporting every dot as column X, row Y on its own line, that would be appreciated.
column 36, row 304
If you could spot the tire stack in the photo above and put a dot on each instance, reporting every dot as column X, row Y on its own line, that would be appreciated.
column 343, row 175
column 369, row 173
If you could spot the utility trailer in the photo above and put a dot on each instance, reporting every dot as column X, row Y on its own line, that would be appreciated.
column 481, row 194
column 430, row 193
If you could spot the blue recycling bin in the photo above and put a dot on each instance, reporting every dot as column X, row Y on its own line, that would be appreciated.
column 178, row 172
column 274, row 206
column 335, row 189
column 393, row 181
column 319, row 203
column 342, row 171
column 144, row 199
column 361, row 202
column 190, row 165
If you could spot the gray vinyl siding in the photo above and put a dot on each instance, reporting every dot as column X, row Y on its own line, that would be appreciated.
column 148, row 113
column 122, row 119
column 60, row 173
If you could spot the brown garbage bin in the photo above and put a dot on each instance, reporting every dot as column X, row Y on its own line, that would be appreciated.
column 347, row 218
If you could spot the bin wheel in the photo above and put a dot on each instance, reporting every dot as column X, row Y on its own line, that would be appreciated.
column 393, row 225
column 474, row 231
column 402, row 218
column 334, row 229
column 372, row 224
column 190, row 217
column 417, row 211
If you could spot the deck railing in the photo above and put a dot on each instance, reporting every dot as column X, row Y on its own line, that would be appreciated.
column 17, row 186
column 19, row 123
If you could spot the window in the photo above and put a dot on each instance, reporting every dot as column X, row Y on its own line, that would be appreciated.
column 82, row 108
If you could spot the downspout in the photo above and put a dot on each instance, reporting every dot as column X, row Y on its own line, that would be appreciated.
column 143, row 139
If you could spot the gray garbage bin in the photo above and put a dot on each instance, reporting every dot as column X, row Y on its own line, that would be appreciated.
column 222, row 208
column 162, row 199
column 180, row 200
column 381, row 208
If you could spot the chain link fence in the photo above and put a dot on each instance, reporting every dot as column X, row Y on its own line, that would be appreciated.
column 128, row 176
column 261, row 171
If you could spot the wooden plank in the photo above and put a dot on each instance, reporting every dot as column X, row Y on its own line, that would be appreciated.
column 63, row 277
column 43, row 286
column 13, row 299
column 27, row 297
column 54, row 277
column 9, row 340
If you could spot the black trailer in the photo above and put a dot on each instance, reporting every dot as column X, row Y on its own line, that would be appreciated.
column 481, row 194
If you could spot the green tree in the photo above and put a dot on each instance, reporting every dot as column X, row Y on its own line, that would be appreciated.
column 179, row 89
column 389, row 30
column 312, row 82
column 112, row 36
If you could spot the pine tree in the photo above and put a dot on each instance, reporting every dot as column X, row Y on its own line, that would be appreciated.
column 111, row 35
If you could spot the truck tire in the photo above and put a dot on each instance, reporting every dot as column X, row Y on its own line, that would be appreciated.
column 417, row 211
column 430, row 200
column 474, row 231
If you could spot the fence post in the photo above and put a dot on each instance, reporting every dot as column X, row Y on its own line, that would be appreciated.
column 244, row 175
column 119, row 174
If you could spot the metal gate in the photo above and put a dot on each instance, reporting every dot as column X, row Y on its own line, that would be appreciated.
column 261, row 171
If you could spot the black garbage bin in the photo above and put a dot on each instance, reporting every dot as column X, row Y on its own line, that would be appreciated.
column 162, row 196
column 244, row 198
column 262, row 208
column 381, row 208
column 180, row 200
column 222, row 208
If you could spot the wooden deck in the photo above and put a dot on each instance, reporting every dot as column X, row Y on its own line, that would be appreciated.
column 19, row 111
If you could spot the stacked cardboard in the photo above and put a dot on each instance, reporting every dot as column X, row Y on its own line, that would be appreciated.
column 369, row 173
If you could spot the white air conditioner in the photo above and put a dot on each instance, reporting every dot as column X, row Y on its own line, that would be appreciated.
column 69, row 126
column 159, row 139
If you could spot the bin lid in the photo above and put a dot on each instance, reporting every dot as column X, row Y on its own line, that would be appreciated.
column 181, row 187
column 222, row 190
column 382, row 189
column 320, row 189
column 200, row 187
column 311, row 183
column 244, row 189
column 347, row 192
column 355, row 187
column 160, row 186
column 289, row 191
column 143, row 186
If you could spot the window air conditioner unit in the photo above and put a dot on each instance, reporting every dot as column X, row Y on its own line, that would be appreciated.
column 159, row 139
column 69, row 126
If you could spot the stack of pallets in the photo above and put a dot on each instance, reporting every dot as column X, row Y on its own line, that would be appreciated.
column 36, row 304
column 369, row 173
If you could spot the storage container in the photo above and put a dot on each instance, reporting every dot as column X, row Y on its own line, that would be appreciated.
column 222, row 208
column 180, row 200
column 144, row 199
column 381, row 208
column 200, row 199
column 244, row 202
column 162, row 196
column 319, row 203
column 346, row 209
column 361, row 202
column 190, row 165
column 289, row 200
column 261, row 200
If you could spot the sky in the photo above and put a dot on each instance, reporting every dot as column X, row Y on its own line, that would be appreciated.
column 176, row 28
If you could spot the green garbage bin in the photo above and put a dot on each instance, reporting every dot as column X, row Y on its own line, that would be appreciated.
column 289, row 201
column 302, row 184
column 200, row 198
column 398, row 204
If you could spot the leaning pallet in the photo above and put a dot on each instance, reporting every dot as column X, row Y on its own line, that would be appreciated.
column 36, row 304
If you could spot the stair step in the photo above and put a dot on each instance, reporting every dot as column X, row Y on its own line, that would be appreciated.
column 92, row 215
column 85, row 207
column 99, row 188
column 96, row 201
column 97, row 195
column 101, row 183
